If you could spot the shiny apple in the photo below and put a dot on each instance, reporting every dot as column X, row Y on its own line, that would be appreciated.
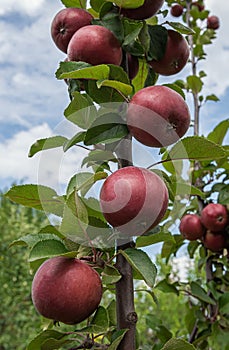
column 191, row 227
column 66, row 290
column 95, row 44
column 214, row 217
column 66, row 22
column 213, row 22
column 176, row 10
column 176, row 55
column 157, row 116
column 147, row 10
column 216, row 242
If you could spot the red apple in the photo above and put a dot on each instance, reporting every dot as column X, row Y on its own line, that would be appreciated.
column 176, row 10
column 175, row 57
column 133, row 66
column 214, row 241
column 157, row 116
column 199, row 5
column 133, row 200
column 213, row 22
column 214, row 217
column 66, row 290
column 66, row 23
column 191, row 227
column 147, row 10
column 95, row 44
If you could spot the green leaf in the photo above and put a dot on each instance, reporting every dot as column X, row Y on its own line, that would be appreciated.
column 131, row 4
column 47, row 248
column 107, row 128
column 218, row 134
column 224, row 303
column 196, row 148
column 84, row 181
column 200, row 293
column 167, row 287
column 98, row 72
column 100, row 321
column 110, row 275
column 142, row 264
column 80, row 111
column 75, row 3
column 123, row 89
column 158, row 40
column 194, row 83
column 74, row 140
column 143, row 241
column 48, row 143
column 110, row 19
column 97, row 157
column 212, row 97
column 38, row 197
column 179, row 27
column 117, row 338
column 176, row 88
column 178, row 344
column 139, row 81
column 131, row 30
column 31, row 239
column 37, row 342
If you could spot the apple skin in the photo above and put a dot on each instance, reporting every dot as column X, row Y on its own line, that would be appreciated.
column 214, row 217
column 147, row 10
column 213, row 22
column 133, row 200
column 95, row 44
column 176, row 55
column 176, row 10
column 157, row 116
column 191, row 227
column 66, row 22
column 216, row 242
column 66, row 290
column 133, row 66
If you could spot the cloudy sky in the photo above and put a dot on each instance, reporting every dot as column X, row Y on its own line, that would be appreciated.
column 32, row 100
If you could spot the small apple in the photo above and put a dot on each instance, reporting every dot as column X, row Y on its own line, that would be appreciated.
column 176, row 10
column 191, row 227
column 147, row 10
column 199, row 5
column 133, row 200
column 66, row 23
column 133, row 66
column 95, row 44
column 214, row 241
column 157, row 116
column 176, row 55
column 214, row 217
column 213, row 22
column 66, row 290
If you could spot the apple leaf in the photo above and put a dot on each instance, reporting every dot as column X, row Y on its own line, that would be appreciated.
column 179, row 27
column 167, row 287
column 158, row 39
column 110, row 19
column 139, row 81
column 196, row 148
column 48, row 248
column 75, row 3
column 194, row 83
column 83, row 181
column 122, row 88
column 116, row 339
column 98, row 157
column 128, row 4
column 154, row 238
column 200, row 293
column 177, row 344
column 47, row 143
column 177, row 88
column 131, row 30
column 97, row 4
column 100, row 321
column 82, row 70
column 142, row 264
column 212, row 97
column 38, row 342
column 110, row 275
column 218, row 134
column 31, row 239
column 80, row 111
column 74, row 140
column 38, row 197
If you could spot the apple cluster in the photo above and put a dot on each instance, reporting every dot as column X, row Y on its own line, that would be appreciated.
column 211, row 227
column 212, row 21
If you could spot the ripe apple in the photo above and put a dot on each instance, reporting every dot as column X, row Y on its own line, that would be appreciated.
column 133, row 200
column 95, row 44
column 157, row 116
column 214, row 217
column 133, row 66
column 66, row 290
column 214, row 241
column 199, row 5
column 191, row 227
column 66, row 23
column 176, row 55
column 147, row 10
column 176, row 10
column 213, row 22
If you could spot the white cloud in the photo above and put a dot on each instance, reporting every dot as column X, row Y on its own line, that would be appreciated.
column 26, row 6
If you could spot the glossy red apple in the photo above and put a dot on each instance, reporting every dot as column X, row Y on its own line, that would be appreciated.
column 214, row 217
column 213, row 22
column 176, row 10
column 199, row 5
column 66, row 23
column 147, row 10
column 176, row 55
column 191, row 227
column 157, row 116
column 66, row 290
column 216, row 242
column 133, row 200
column 95, row 44
column 133, row 66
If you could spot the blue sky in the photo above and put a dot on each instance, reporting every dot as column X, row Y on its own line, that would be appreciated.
column 32, row 100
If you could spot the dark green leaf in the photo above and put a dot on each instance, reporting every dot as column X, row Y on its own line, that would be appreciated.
column 116, row 339
column 87, row 72
column 74, row 140
column 48, row 143
column 75, row 3
column 84, row 181
column 200, row 293
column 154, row 238
column 47, row 248
column 110, row 275
column 158, row 40
column 178, row 344
column 179, row 27
column 167, row 287
column 37, row 342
